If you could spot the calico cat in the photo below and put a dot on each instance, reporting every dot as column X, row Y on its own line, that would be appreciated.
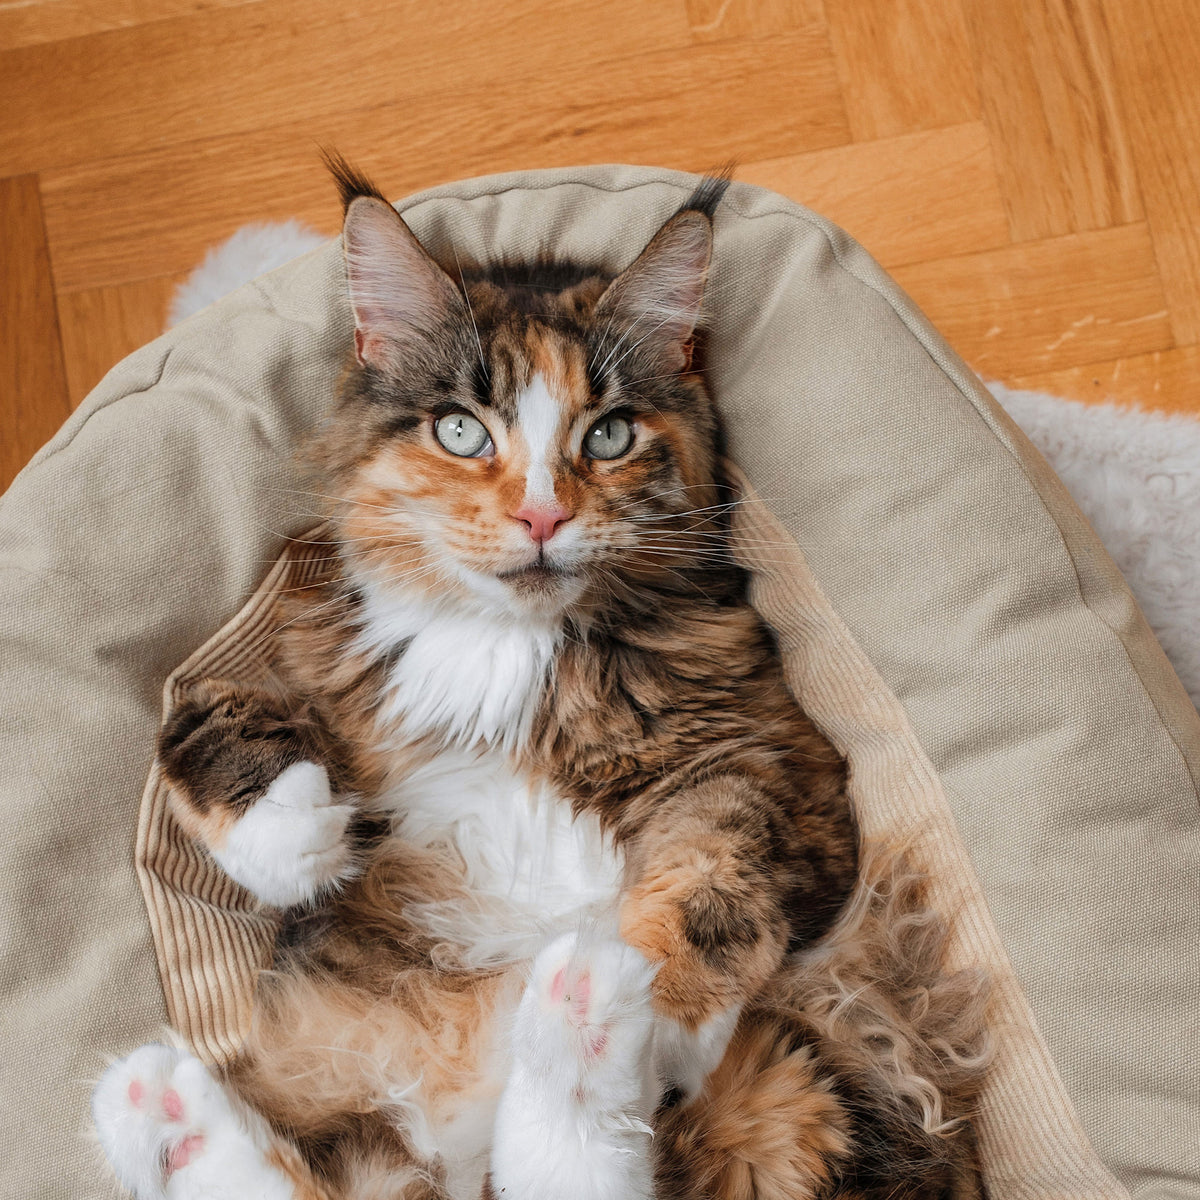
column 575, row 900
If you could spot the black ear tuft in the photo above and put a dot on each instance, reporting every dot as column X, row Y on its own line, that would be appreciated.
column 709, row 192
column 351, row 182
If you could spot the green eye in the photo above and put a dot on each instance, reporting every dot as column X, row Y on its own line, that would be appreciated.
column 462, row 434
column 610, row 437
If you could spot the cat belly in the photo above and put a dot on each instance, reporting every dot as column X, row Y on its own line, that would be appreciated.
column 530, row 869
column 529, row 872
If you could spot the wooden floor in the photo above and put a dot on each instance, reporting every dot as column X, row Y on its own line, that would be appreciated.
column 1029, row 170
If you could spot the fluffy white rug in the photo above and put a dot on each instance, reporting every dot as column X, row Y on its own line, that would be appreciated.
column 252, row 251
column 1135, row 474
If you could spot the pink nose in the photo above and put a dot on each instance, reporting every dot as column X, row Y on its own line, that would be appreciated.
column 542, row 522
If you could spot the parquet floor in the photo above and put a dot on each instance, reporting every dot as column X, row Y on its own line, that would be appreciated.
column 1029, row 170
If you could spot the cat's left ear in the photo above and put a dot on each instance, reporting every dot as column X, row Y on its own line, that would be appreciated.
column 401, row 298
column 657, row 297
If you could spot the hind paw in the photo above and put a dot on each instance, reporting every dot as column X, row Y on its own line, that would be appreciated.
column 574, row 1116
column 586, row 1018
column 171, row 1132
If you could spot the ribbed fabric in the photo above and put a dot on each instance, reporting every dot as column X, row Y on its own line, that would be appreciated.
column 211, row 936
column 1032, row 1146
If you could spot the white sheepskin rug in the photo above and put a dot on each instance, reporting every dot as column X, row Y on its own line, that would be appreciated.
column 1135, row 474
column 252, row 251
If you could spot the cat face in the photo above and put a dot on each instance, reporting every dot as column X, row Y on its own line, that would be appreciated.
column 533, row 441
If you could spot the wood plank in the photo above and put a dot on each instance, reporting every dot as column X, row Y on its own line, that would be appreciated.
column 32, row 22
column 1048, row 90
column 235, row 70
column 1040, row 306
column 1164, row 380
column 1157, row 51
column 718, row 20
column 33, row 386
column 906, row 199
column 101, row 326
column 155, row 213
column 904, row 65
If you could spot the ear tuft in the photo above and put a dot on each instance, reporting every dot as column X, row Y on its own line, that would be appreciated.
column 351, row 182
column 710, row 191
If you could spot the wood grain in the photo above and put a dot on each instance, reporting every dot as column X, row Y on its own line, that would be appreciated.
column 1049, row 98
column 906, row 199
column 235, row 69
column 155, row 213
column 904, row 65
column 1157, row 51
column 26, row 23
column 33, row 387
column 1062, row 302
column 1165, row 380
column 719, row 20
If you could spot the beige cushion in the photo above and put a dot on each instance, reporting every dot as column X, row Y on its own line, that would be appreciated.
column 944, row 610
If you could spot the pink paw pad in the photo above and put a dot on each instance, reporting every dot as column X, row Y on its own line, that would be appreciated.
column 137, row 1092
column 172, row 1105
column 574, row 993
column 183, row 1154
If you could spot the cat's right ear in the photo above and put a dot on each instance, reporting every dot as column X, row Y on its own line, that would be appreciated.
column 400, row 296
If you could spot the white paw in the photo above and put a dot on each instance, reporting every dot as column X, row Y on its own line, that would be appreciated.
column 575, row 1115
column 585, row 1024
column 290, row 845
column 686, row 1057
column 171, row 1132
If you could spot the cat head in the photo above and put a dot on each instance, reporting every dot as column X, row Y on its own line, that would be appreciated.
column 532, row 439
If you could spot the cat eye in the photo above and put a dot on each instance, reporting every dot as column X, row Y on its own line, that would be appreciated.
column 462, row 434
column 610, row 437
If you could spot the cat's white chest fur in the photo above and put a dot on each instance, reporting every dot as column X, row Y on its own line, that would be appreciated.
column 530, row 868
column 468, row 677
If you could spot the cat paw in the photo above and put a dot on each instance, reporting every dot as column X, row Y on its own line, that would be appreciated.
column 574, row 1118
column 290, row 845
column 171, row 1132
column 586, row 1021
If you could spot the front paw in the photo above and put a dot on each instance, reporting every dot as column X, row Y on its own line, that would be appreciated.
column 290, row 845
column 686, row 988
column 714, row 947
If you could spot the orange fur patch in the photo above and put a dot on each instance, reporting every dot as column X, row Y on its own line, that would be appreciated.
column 686, row 988
column 764, row 1128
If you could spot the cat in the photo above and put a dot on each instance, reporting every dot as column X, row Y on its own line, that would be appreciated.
column 575, row 904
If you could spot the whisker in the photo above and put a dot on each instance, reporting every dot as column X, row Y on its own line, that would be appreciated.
column 471, row 311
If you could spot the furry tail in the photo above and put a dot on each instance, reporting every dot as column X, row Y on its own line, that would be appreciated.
column 854, row 1074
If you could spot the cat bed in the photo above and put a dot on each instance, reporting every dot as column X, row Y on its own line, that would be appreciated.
column 945, row 614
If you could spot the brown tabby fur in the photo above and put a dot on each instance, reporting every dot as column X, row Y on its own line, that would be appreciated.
column 666, row 715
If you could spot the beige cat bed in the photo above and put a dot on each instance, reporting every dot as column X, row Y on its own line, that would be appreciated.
column 945, row 612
